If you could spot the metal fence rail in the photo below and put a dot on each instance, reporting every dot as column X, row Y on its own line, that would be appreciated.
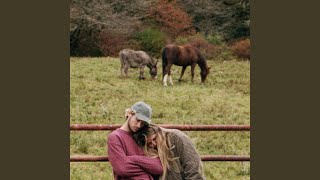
column 106, row 127
column 203, row 158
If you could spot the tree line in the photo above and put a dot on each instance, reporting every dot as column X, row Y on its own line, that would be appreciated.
column 104, row 27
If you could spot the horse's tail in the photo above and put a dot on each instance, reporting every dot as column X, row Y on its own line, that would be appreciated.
column 164, row 60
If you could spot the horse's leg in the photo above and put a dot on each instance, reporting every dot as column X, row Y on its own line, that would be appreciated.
column 165, row 80
column 170, row 79
column 122, row 69
column 126, row 67
column 165, row 73
column 182, row 72
column 122, row 62
column 192, row 71
column 141, row 73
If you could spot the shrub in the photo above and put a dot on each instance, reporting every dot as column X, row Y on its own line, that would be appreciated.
column 171, row 17
column 133, row 44
column 151, row 41
column 241, row 49
column 112, row 43
column 215, row 39
column 180, row 40
column 84, row 41
column 224, row 52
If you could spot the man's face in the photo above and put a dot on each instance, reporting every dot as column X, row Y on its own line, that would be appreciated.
column 135, row 124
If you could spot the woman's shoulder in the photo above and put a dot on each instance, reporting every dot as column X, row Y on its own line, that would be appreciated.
column 172, row 131
column 175, row 133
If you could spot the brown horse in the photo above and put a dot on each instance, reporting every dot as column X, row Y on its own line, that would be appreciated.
column 186, row 55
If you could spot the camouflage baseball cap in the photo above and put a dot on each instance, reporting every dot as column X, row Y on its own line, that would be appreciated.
column 143, row 111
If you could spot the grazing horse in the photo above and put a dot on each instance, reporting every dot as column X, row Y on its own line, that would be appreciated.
column 137, row 59
column 186, row 55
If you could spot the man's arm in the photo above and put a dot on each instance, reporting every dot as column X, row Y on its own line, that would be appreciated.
column 188, row 155
column 121, row 164
column 149, row 164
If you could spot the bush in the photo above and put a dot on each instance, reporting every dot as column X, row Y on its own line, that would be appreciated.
column 151, row 41
column 236, row 30
column 133, row 44
column 84, row 41
column 215, row 39
column 112, row 43
column 224, row 53
column 180, row 40
column 241, row 49
column 171, row 18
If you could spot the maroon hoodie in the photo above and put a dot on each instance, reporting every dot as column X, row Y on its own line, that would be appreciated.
column 128, row 160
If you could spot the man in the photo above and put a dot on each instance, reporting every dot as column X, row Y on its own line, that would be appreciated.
column 126, row 157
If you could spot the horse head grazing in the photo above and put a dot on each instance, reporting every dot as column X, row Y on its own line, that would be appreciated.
column 205, row 70
column 153, row 68
column 186, row 55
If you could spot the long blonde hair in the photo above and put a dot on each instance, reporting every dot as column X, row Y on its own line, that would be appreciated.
column 163, row 150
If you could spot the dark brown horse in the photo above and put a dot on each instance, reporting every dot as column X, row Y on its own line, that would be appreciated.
column 186, row 55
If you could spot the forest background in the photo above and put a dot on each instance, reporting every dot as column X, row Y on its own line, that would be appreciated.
column 219, row 28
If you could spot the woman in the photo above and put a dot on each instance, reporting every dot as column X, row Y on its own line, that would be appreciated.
column 178, row 156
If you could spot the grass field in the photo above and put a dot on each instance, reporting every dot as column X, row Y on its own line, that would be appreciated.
column 98, row 95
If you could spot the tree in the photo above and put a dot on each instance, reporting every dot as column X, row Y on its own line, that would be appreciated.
column 171, row 18
column 91, row 21
column 228, row 18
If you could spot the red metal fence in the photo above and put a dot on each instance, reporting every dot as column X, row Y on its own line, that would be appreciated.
column 102, row 127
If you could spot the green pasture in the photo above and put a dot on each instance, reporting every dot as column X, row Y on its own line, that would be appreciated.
column 98, row 95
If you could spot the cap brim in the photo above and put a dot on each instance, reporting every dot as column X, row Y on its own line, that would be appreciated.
column 143, row 118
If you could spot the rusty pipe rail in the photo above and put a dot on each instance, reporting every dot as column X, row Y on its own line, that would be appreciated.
column 203, row 158
column 104, row 127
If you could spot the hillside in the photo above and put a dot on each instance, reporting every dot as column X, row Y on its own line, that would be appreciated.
column 104, row 27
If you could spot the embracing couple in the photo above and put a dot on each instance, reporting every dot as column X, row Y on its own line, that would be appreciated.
column 140, row 150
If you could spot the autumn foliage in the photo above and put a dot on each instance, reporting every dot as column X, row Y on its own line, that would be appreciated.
column 171, row 18
column 241, row 49
column 104, row 27
column 112, row 43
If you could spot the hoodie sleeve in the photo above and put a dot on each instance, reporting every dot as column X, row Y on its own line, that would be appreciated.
column 121, row 164
column 149, row 164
